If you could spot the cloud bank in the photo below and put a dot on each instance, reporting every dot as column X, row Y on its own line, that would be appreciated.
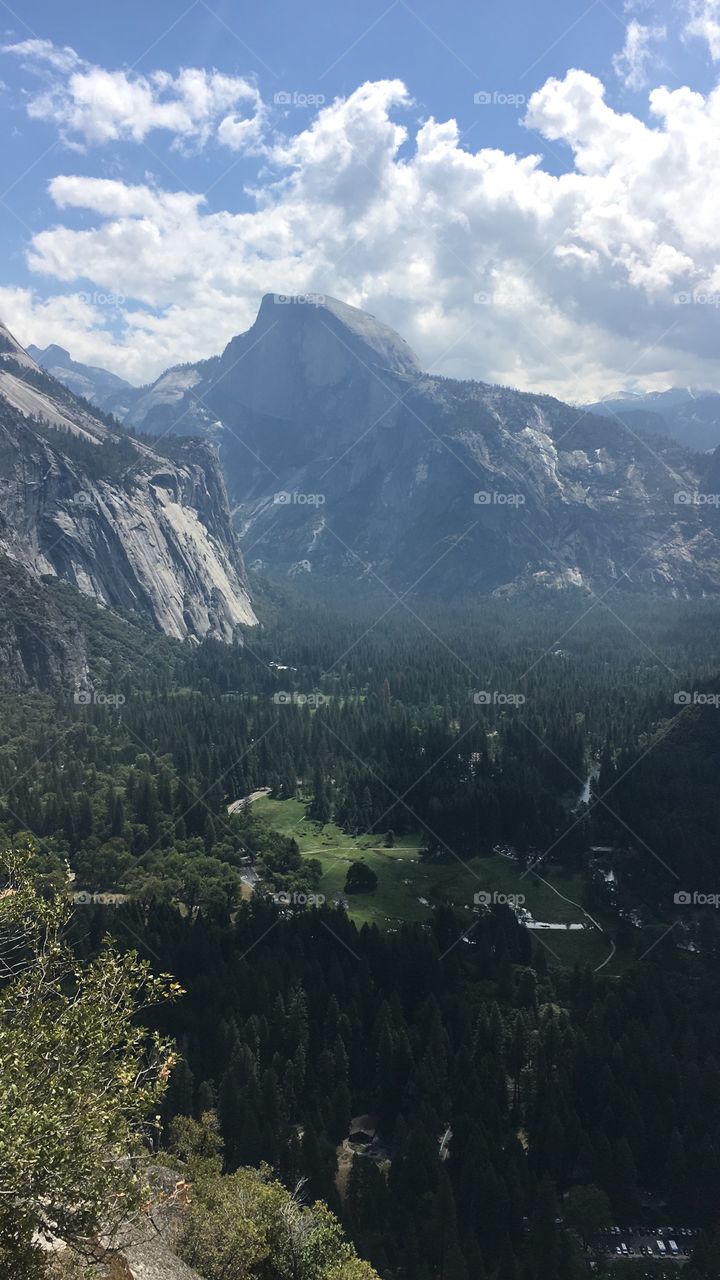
column 489, row 264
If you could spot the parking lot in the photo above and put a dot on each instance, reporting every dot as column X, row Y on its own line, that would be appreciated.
column 666, row 1244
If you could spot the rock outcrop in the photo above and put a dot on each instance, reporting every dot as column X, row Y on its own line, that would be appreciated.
column 136, row 528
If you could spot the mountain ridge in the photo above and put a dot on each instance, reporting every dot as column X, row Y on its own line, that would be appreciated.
column 688, row 415
column 342, row 456
column 106, row 390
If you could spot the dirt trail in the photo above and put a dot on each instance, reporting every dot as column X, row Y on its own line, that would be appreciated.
column 254, row 795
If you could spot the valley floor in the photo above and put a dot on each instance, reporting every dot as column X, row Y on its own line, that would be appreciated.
column 409, row 888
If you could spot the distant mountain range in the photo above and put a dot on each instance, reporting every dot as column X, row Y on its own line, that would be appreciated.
column 342, row 456
column 100, row 387
column 686, row 414
column 139, row 530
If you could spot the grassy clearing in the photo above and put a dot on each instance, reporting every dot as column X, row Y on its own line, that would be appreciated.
column 408, row 888
column 401, row 877
column 588, row 947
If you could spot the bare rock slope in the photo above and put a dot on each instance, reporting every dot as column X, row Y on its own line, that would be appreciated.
column 136, row 528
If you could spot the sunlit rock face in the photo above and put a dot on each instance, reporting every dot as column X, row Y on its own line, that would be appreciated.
column 116, row 519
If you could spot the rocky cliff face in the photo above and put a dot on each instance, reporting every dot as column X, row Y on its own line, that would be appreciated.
column 341, row 456
column 132, row 528
column 139, row 1250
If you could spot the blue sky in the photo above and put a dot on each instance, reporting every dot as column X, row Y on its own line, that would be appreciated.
column 155, row 185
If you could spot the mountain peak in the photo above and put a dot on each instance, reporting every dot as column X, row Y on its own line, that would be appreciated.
column 99, row 386
column 53, row 354
column 311, row 343
column 341, row 454
column 364, row 335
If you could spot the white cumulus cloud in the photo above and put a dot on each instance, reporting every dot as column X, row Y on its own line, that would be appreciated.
column 488, row 263
column 91, row 105
column 38, row 52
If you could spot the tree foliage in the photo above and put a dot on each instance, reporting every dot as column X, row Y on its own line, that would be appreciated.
column 360, row 878
column 246, row 1225
column 80, row 1079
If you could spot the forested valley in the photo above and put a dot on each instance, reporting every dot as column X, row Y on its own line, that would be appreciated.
column 469, row 1103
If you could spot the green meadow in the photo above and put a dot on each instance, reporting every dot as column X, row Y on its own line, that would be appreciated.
column 408, row 888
